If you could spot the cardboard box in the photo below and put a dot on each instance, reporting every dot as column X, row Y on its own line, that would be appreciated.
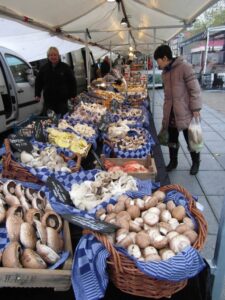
column 147, row 162
column 59, row 279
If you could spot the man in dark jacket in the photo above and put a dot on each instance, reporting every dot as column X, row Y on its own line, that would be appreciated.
column 105, row 66
column 57, row 82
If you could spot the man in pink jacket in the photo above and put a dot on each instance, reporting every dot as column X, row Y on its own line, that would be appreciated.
column 182, row 102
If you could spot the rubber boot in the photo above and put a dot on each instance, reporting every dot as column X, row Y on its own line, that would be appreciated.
column 195, row 163
column 173, row 159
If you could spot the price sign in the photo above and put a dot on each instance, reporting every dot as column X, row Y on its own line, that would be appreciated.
column 58, row 190
column 19, row 143
column 39, row 132
column 91, row 224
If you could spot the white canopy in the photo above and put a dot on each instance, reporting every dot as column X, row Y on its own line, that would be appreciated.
column 150, row 22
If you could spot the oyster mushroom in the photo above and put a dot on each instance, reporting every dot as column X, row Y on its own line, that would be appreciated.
column 30, row 259
column 11, row 255
column 28, row 235
column 48, row 254
column 54, row 241
column 52, row 219
column 13, row 224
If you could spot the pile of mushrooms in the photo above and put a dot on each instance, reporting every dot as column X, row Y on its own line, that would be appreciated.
column 33, row 228
column 149, row 229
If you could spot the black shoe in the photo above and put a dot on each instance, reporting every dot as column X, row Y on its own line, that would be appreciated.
column 172, row 165
column 194, row 168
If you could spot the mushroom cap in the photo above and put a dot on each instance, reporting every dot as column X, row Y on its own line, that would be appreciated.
column 11, row 255
column 30, row 259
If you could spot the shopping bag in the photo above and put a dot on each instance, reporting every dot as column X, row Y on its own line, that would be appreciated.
column 195, row 135
column 163, row 137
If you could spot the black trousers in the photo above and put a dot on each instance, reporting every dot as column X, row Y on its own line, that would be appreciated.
column 174, row 136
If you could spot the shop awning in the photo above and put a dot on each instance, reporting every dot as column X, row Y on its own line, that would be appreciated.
column 99, row 21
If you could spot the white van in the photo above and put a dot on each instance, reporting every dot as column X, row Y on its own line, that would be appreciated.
column 17, row 99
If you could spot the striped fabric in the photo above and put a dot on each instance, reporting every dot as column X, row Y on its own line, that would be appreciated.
column 90, row 279
column 89, row 276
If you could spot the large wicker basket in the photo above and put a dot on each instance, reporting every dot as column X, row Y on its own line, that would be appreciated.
column 129, row 279
column 14, row 170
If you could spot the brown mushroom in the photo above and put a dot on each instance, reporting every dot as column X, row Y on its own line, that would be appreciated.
column 11, row 255
column 142, row 239
column 27, row 235
column 52, row 219
column 178, row 212
column 30, row 259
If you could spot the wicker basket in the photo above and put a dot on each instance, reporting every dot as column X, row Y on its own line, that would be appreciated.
column 129, row 279
column 14, row 170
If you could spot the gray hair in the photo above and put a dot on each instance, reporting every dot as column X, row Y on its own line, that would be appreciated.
column 52, row 49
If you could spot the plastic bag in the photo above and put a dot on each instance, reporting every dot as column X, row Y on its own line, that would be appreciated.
column 195, row 136
column 163, row 137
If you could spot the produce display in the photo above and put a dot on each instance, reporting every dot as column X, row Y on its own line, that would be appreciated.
column 91, row 112
column 131, row 166
column 28, row 130
column 84, row 130
column 33, row 228
column 47, row 158
column 132, row 139
column 67, row 140
column 89, row 194
column 149, row 228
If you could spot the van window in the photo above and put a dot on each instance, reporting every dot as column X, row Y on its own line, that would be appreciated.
column 18, row 68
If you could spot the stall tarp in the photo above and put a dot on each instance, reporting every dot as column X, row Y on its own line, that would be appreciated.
column 71, row 18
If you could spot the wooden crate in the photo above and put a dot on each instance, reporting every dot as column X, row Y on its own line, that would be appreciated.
column 59, row 279
column 147, row 162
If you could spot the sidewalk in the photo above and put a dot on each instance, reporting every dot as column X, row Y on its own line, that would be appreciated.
column 209, row 183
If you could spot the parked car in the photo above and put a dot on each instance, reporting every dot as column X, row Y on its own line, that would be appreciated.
column 17, row 101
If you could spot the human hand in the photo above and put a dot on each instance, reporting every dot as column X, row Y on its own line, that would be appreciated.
column 196, row 114
column 38, row 98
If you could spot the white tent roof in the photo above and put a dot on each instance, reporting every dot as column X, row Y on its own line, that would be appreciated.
column 71, row 18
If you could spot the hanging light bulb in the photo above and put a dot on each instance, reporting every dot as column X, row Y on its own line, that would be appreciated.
column 123, row 22
column 131, row 48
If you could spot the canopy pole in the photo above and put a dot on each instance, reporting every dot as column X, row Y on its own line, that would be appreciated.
column 206, row 51
column 217, row 264
column 153, row 74
column 110, row 53
column 87, row 55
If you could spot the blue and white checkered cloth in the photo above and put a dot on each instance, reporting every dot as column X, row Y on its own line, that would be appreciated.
column 90, row 279
column 43, row 173
column 145, row 187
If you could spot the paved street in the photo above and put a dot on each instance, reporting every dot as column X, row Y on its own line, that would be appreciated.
column 209, row 183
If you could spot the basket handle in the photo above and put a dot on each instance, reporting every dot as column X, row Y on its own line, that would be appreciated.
column 7, row 156
column 109, row 246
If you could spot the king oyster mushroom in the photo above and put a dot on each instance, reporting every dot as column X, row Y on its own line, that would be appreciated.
column 28, row 235
column 46, row 253
column 30, row 259
column 52, row 219
column 11, row 255
column 13, row 223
